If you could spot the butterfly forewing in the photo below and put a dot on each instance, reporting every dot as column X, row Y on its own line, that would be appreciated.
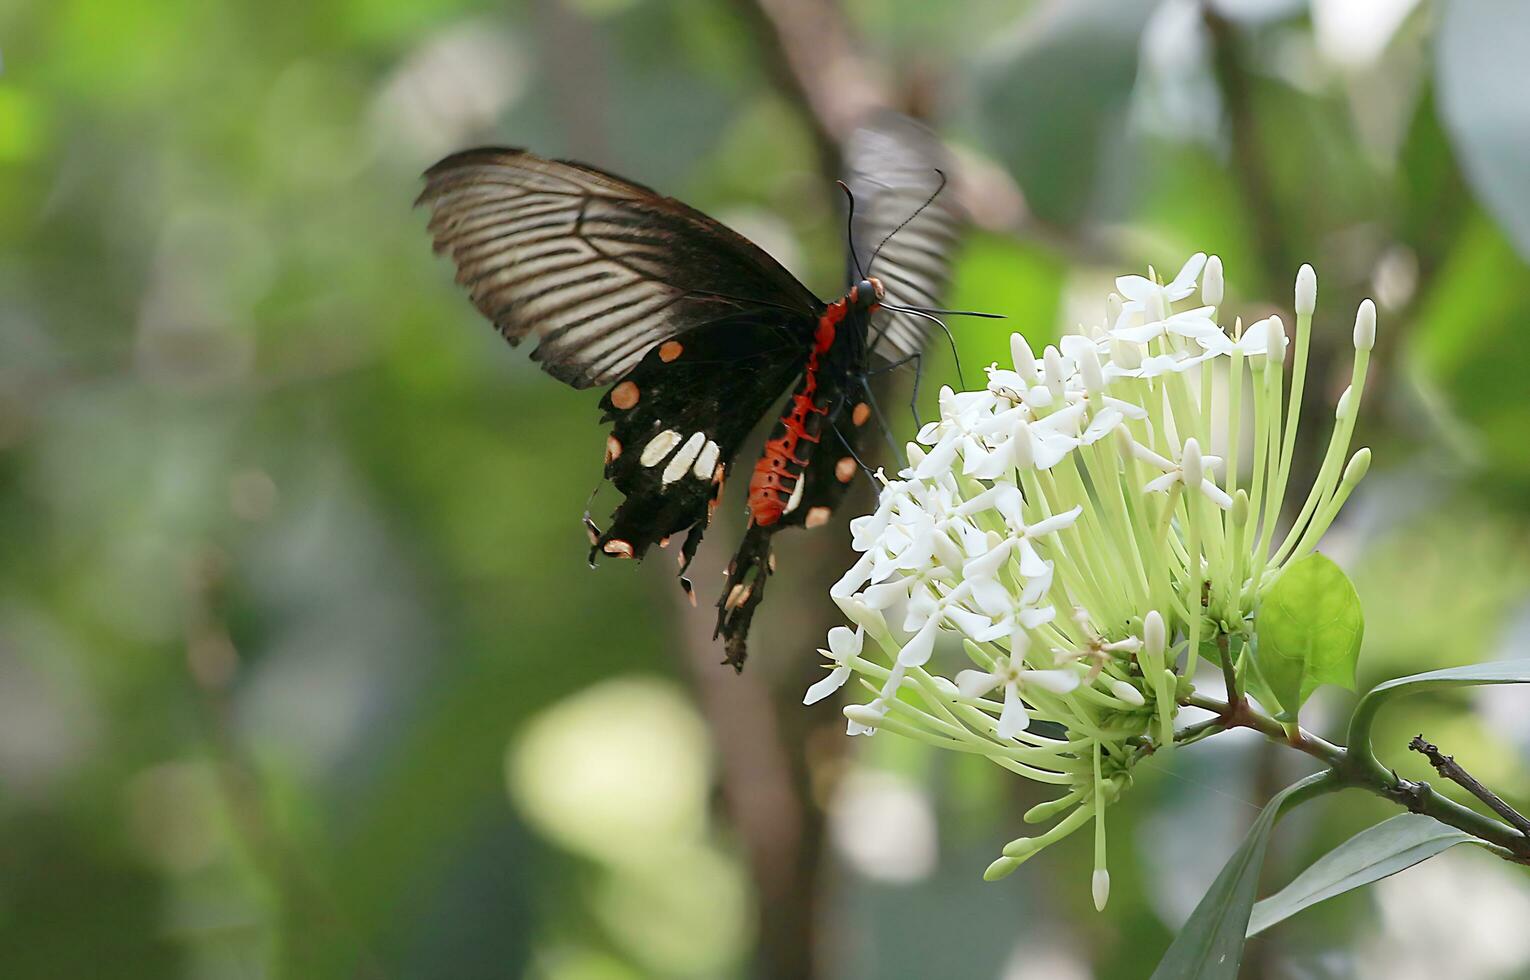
column 895, row 164
column 599, row 268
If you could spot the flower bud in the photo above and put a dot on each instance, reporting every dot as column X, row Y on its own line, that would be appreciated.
column 1089, row 367
column 1001, row 868
column 1278, row 340
column 1128, row 693
column 1025, row 361
column 865, row 715
column 1239, row 513
column 1306, row 291
column 1042, row 812
column 1359, row 464
column 1191, row 466
column 1052, row 362
column 1099, row 886
column 1211, row 282
column 1020, row 446
column 1020, row 847
column 1153, row 634
column 1346, row 407
column 1365, row 325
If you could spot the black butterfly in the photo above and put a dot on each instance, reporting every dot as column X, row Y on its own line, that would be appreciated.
column 698, row 332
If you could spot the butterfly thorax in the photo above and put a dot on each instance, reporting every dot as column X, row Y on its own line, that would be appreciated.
column 839, row 347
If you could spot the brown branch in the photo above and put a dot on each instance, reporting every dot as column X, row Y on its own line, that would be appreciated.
column 1449, row 768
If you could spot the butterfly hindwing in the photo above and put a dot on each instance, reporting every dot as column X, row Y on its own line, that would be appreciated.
column 679, row 418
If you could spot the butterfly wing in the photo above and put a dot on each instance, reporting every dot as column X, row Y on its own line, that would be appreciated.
column 680, row 416
column 894, row 164
column 600, row 269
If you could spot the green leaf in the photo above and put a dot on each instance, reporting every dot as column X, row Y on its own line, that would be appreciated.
column 1308, row 631
column 1482, row 75
column 1385, row 849
column 1472, row 675
column 1210, row 946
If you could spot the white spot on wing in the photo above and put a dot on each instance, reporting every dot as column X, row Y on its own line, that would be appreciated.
column 659, row 447
column 683, row 459
column 707, row 460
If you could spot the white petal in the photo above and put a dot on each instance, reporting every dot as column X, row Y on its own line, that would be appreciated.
column 1216, row 494
column 975, row 683
column 884, row 595
column 1012, row 720
column 1054, row 523
column 992, row 597
column 1032, row 618
column 1101, row 425
column 1140, row 334
column 854, row 578
column 1051, row 450
column 1129, row 409
column 845, row 643
column 940, row 458
column 1031, row 564
column 967, row 621
column 827, row 685
column 1162, row 484
column 1056, row 681
column 1183, row 284
column 1136, row 288
column 916, row 653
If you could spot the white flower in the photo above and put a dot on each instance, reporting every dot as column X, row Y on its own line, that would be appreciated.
column 1036, row 492
column 1149, row 300
column 1254, row 341
column 844, row 646
column 1190, row 471
column 1193, row 324
column 1011, row 674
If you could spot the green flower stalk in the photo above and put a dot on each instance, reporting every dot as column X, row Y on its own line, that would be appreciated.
column 1039, row 584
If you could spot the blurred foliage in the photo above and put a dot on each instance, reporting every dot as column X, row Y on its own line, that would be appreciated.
column 302, row 672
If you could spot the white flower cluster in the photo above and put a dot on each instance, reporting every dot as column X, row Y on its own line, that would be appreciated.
column 1038, row 582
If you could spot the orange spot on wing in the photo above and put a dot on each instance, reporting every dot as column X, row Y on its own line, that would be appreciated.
column 670, row 350
column 625, row 395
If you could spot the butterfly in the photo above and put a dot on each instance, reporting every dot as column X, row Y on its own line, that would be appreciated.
column 696, row 333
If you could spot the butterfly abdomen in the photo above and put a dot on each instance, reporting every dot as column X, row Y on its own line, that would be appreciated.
column 778, row 472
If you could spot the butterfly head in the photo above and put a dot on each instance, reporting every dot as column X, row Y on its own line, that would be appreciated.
column 867, row 293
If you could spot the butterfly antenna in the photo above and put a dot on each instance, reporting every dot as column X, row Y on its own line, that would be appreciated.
column 917, row 211
column 850, row 229
column 956, row 357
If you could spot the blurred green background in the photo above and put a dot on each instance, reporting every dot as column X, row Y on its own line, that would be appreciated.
column 302, row 671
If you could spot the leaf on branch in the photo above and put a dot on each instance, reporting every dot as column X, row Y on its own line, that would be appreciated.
column 1210, row 946
column 1385, row 849
column 1308, row 632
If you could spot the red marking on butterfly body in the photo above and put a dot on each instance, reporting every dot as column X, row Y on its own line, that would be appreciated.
column 778, row 469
